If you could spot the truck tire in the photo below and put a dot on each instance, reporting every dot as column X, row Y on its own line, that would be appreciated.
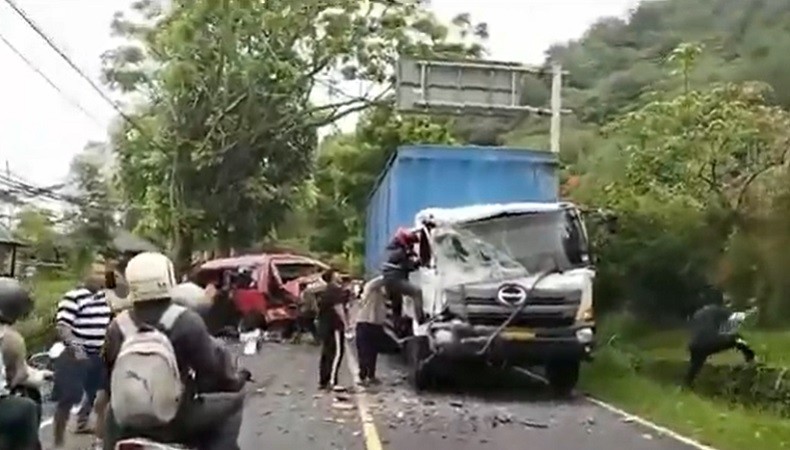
column 417, row 351
column 563, row 376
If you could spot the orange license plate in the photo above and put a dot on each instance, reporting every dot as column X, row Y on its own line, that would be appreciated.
column 518, row 334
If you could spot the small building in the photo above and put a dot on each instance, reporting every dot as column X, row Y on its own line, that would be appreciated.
column 8, row 252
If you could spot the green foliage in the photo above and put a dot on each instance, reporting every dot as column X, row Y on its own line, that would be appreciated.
column 616, row 61
column 34, row 227
column 347, row 169
column 219, row 154
column 684, row 172
column 93, row 221
column 759, row 387
column 713, row 421
column 47, row 291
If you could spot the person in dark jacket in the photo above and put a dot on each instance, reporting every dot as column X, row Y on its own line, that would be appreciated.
column 399, row 263
column 210, row 413
column 713, row 331
column 332, row 323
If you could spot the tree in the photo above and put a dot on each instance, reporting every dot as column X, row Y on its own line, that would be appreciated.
column 228, row 133
column 705, row 147
column 35, row 228
column 93, row 221
column 348, row 167
column 686, row 176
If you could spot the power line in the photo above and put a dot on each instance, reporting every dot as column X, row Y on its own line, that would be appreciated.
column 71, row 63
column 49, row 81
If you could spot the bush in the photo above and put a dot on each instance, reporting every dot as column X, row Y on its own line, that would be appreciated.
column 38, row 329
column 759, row 387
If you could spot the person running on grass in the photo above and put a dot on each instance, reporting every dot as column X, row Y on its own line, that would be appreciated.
column 714, row 330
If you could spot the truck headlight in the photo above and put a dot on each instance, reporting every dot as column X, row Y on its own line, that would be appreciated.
column 584, row 335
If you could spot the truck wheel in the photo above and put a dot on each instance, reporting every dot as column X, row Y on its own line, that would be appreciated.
column 417, row 351
column 563, row 376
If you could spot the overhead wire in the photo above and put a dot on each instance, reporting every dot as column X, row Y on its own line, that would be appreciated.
column 19, row 186
column 32, row 24
column 49, row 81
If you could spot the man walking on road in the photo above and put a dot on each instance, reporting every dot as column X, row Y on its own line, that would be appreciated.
column 332, row 323
column 82, row 318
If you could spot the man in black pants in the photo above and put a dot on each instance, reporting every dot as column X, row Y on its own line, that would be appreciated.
column 371, row 339
column 399, row 262
column 332, row 322
column 713, row 331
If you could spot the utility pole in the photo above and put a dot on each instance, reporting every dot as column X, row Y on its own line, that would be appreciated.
column 10, row 208
column 556, row 107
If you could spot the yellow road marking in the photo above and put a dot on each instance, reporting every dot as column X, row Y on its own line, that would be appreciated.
column 369, row 430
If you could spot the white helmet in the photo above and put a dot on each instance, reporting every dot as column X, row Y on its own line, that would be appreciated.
column 150, row 276
column 190, row 295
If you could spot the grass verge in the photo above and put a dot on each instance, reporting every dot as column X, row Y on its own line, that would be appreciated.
column 720, row 424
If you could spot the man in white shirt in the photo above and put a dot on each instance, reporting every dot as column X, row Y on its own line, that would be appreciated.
column 82, row 317
column 371, row 337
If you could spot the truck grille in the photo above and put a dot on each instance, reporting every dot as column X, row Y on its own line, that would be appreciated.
column 531, row 301
column 531, row 321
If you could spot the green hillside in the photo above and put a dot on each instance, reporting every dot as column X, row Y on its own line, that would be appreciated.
column 617, row 61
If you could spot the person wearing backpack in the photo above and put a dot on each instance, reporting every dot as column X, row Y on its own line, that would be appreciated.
column 168, row 381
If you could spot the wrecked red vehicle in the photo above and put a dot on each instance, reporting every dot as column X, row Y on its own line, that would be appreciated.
column 264, row 287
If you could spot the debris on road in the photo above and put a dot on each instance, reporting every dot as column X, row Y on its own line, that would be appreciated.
column 533, row 424
column 343, row 406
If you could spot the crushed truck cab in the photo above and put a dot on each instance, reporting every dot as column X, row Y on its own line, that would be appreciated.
column 508, row 284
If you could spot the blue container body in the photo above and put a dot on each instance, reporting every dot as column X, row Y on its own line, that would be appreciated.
column 419, row 177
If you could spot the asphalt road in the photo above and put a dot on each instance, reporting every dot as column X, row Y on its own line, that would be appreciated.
column 484, row 411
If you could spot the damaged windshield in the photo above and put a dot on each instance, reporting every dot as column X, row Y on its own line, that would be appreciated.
column 538, row 241
column 462, row 258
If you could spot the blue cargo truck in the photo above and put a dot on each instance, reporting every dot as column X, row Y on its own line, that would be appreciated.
column 420, row 177
column 505, row 271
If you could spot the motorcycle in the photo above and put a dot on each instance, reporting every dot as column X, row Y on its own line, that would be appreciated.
column 141, row 443
column 41, row 361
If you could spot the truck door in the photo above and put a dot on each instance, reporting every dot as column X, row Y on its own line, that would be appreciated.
column 428, row 276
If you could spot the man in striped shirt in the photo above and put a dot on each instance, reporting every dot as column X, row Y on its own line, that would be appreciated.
column 82, row 319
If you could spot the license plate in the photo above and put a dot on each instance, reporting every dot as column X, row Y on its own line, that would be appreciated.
column 518, row 334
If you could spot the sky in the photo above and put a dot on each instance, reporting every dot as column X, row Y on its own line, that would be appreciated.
column 41, row 128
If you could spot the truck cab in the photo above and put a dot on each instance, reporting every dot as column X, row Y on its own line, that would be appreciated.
column 508, row 284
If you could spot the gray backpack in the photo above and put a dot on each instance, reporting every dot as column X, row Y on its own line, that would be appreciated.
column 145, row 382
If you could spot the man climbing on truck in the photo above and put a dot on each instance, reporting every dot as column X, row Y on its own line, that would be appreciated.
column 400, row 261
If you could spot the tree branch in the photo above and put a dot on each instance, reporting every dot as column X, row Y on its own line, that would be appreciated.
column 753, row 176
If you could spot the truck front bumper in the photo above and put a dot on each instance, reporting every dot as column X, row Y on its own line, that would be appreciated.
column 514, row 345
